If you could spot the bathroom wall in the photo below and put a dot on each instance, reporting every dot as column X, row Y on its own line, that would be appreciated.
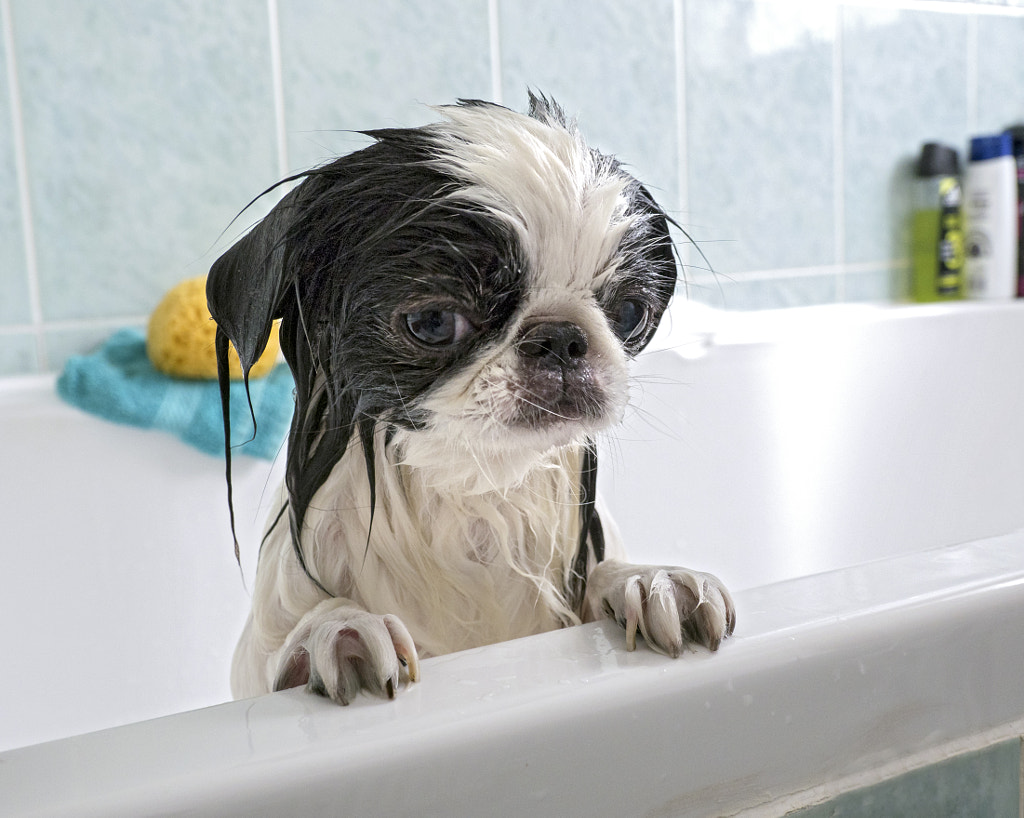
column 132, row 132
column 986, row 783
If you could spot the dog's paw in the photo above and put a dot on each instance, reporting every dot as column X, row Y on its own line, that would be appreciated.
column 336, row 651
column 669, row 606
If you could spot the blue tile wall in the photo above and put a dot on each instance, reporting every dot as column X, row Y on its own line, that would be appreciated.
column 759, row 100
column 778, row 134
column 611, row 63
column 353, row 65
column 147, row 126
column 983, row 783
column 903, row 83
column 14, row 293
column 1000, row 72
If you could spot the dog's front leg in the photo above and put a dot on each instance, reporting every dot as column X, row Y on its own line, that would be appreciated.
column 670, row 606
column 337, row 648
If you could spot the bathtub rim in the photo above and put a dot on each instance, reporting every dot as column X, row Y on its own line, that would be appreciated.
column 791, row 634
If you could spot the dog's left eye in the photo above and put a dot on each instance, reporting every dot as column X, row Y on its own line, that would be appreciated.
column 631, row 319
column 438, row 327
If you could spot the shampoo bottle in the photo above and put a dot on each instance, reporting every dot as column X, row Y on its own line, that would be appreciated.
column 1016, row 133
column 990, row 218
column 936, row 232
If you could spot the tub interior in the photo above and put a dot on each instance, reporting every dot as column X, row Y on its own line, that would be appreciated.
column 775, row 445
column 120, row 594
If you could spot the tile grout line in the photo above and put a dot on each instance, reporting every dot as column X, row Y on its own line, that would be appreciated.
column 24, row 192
column 685, row 252
column 971, row 78
column 838, row 157
column 277, row 80
column 682, row 144
column 811, row 271
column 76, row 325
column 494, row 43
column 939, row 7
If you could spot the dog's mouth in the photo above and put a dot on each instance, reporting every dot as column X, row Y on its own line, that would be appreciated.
column 546, row 397
column 557, row 381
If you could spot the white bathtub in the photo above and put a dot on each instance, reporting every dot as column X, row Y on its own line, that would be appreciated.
column 856, row 474
column 119, row 591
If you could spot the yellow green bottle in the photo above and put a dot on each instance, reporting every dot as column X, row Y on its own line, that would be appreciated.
column 936, row 228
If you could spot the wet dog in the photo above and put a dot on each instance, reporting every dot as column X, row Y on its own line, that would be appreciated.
column 458, row 305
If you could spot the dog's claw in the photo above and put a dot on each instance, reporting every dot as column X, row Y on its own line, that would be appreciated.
column 662, row 616
column 634, row 598
column 669, row 606
column 344, row 649
column 405, row 647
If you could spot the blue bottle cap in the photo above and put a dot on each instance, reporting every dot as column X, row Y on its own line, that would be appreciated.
column 991, row 147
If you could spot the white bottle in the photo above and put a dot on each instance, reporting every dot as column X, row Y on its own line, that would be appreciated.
column 990, row 218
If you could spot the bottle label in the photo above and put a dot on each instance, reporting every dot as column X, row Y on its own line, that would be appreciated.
column 1020, row 224
column 949, row 274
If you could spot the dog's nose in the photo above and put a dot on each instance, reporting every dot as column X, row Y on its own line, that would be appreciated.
column 554, row 343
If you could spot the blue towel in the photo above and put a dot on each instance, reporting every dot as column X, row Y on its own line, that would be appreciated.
column 118, row 382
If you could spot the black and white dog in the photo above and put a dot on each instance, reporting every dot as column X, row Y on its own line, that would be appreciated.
column 458, row 305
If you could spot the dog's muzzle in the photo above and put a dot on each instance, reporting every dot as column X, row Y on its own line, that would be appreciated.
column 557, row 380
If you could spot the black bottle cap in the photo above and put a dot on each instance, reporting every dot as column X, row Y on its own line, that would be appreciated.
column 938, row 160
column 1016, row 133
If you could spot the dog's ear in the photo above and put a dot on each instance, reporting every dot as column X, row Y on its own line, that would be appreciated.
column 278, row 270
column 246, row 285
column 244, row 292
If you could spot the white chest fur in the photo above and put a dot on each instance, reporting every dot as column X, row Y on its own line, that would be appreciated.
column 460, row 569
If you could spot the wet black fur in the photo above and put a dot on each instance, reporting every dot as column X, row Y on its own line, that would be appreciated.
column 344, row 256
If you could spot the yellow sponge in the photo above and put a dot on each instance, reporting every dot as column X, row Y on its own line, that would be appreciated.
column 181, row 332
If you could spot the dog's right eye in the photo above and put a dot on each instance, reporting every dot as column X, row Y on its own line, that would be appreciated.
column 438, row 327
column 631, row 320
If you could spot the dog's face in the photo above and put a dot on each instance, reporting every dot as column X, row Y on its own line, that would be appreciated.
column 477, row 285
column 533, row 321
